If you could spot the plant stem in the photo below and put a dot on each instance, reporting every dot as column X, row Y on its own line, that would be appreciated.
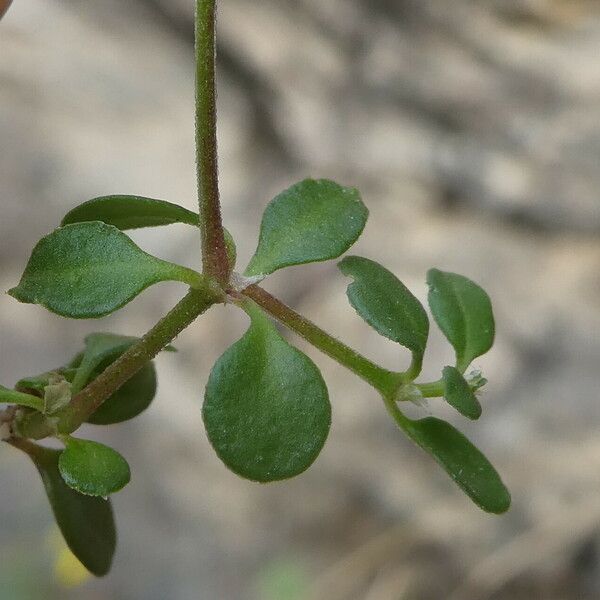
column 386, row 382
column 214, row 251
column 432, row 389
column 89, row 399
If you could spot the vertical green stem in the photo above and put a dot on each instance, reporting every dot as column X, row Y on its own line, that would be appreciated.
column 214, row 251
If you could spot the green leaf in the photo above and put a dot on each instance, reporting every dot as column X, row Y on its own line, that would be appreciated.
column 86, row 522
column 99, row 347
column 130, row 212
column 231, row 248
column 463, row 312
column 134, row 212
column 36, row 384
column 57, row 394
column 131, row 399
column 312, row 221
column 459, row 394
column 386, row 304
column 88, row 270
column 93, row 469
column 266, row 408
column 467, row 466
column 13, row 397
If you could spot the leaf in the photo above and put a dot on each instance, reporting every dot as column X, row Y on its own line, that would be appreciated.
column 88, row 270
column 467, row 466
column 230, row 248
column 131, row 399
column 36, row 384
column 386, row 304
column 463, row 312
column 57, row 394
column 459, row 394
column 266, row 408
column 93, row 469
column 312, row 221
column 86, row 522
column 130, row 212
column 13, row 397
column 99, row 347
column 135, row 212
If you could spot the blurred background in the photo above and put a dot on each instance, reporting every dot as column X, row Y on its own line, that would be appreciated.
column 473, row 131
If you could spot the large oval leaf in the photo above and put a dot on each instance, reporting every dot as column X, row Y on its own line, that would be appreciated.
column 463, row 311
column 130, row 212
column 312, row 221
column 467, row 466
column 93, row 469
column 386, row 304
column 459, row 394
column 88, row 270
column 266, row 408
column 86, row 522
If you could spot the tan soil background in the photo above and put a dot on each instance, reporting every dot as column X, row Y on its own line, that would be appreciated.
column 473, row 132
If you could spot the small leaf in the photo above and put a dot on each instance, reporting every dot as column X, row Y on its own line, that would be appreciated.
column 93, row 469
column 13, row 397
column 88, row 270
column 131, row 399
column 467, row 466
column 459, row 394
column 231, row 248
column 99, row 347
column 130, row 212
column 135, row 212
column 386, row 304
column 36, row 384
column 57, row 394
column 312, row 221
column 266, row 408
column 86, row 522
column 463, row 312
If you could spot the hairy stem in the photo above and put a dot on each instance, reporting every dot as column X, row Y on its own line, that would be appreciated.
column 89, row 399
column 214, row 251
column 386, row 382
column 130, row 362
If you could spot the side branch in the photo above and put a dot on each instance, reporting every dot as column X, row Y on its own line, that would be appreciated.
column 386, row 382
column 130, row 362
column 89, row 399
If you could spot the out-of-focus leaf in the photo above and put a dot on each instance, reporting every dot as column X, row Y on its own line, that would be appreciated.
column 13, row 397
column 86, row 522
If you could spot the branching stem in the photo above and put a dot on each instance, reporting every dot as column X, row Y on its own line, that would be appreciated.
column 386, row 382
